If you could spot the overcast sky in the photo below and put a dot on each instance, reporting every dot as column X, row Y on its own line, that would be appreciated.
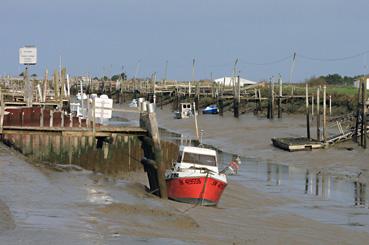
column 99, row 37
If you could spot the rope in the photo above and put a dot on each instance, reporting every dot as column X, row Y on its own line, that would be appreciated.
column 201, row 195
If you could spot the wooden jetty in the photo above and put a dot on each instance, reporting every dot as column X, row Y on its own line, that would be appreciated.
column 297, row 143
column 360, row 130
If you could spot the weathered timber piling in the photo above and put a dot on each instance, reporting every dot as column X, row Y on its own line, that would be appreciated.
column 280, row 98
column 236, row 98
column 221, row 106
column 270, row 113
column 2, row 111
column 363, row 113
column 152, row 160
column 56, row 84
column 312, row 106
column 325, row 113
column 28, row 93
column 45, row 86
column 355, row 137
column 318, row 114
column 307, row 112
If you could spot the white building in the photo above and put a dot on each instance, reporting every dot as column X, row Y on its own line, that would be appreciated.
column 228, row 81
column 357, row 83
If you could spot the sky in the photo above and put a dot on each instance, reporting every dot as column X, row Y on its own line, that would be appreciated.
column 106, row 37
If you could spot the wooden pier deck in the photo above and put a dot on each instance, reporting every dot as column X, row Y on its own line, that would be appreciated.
column 297, row 143
column 102, row 131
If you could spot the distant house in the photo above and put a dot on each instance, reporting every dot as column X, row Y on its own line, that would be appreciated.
column 228, row 81
column 357, row 83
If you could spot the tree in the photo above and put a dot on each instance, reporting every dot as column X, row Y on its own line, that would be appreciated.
column 119, row 76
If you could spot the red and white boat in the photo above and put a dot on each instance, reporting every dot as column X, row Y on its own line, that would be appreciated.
column 195, row 177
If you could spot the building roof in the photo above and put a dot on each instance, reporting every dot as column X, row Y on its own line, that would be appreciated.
column 229, row 81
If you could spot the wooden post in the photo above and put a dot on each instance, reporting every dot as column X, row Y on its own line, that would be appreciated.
column 62, row 118
column 236, row 99
column 70, row 120
column 318, row 114
column 259, row 106
column 89, row 114
column 42, row 118
column 280, row 98
column 312, row 106
column 355, row 136
column 196, row 126
column 363, row 113
column 62, row 82
column 45, row 87
column 28, row 92
column 152, row 160
column 272, row 94
column 221, row 106
column 51, row 118
column 325, row 113
column 2, row 111
column 330, row 105
column 270, row 101
column 154, row 88
column 307, row 111
column 93, row 117
column 56, row 85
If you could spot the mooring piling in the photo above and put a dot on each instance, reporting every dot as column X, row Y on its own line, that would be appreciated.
column 318, row 114
column 152, row 160
column 325, row 113
column 307, row 112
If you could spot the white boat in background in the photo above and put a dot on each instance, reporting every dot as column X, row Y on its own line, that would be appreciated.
column 133, row 104
column 82, row 96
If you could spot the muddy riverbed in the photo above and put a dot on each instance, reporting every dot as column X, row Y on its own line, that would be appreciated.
column 277, row 197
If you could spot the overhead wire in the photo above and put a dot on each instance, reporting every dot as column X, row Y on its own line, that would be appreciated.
column 332, row 59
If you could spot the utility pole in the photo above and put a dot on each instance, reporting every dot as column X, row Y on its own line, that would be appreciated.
column 234, row 76
column 165, row 72
column 292, row 67
column 193, row 78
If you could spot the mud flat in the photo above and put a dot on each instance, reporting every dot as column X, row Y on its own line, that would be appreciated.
column 260, row 212
column 98, row 207
column 6, row 219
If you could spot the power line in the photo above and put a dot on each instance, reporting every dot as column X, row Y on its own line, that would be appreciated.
column 333, row 59
column 269, row 62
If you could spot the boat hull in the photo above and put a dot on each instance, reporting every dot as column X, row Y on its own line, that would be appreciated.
column 210, row 111
column 202, row 190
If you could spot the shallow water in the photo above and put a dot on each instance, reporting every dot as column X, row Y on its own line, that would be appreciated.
column 334, row 196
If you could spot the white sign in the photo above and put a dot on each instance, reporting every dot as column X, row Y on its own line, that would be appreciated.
column 28, row 55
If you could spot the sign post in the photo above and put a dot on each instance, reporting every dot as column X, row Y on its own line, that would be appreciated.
column 27, row 57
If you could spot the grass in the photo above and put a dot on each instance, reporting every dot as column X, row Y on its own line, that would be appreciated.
column 349, row 91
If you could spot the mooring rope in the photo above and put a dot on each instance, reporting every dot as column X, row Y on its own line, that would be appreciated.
column 201, row 194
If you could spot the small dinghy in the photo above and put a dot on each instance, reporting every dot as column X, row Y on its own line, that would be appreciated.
column 211, row 109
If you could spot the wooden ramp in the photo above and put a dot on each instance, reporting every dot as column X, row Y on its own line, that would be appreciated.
column 297, row 144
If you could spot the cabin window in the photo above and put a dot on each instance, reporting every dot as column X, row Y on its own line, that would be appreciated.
column 199, row 159
column 179, row 159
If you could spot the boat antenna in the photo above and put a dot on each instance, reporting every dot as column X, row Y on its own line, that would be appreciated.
column 195, row 117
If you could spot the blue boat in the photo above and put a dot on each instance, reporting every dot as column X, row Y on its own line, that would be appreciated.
column 211, row 109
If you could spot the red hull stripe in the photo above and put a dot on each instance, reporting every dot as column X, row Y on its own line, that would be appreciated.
column 194, row 190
